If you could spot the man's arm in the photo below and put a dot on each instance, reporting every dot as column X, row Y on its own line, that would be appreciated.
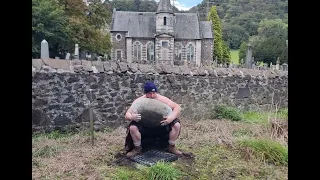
column 176, row 109
column 131, row 115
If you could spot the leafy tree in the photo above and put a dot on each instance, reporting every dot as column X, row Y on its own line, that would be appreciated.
column 273, row 28
column 64, row 23
column 98, row 14
column 49, row 22
column 226, row 55
column 216, row 26
column 269, row 50
column 234, row 35
column 137, row 5
column 242, row 50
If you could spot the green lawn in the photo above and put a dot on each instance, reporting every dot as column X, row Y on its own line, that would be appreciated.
column 234, row 56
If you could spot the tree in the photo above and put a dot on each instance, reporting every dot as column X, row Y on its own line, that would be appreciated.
column 226, row 55
column 243, row 50
column 137, row 5
column 273, row 28
column 216, row 26
column 234, row 35
column 64, row 23
column 269, row 51
column 98, row 14
column 49, row 22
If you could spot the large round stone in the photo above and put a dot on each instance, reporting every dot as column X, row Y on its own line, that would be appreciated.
column 152, row 111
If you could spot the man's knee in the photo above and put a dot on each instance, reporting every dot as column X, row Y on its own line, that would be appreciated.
column 133, row 129
column 176, row 126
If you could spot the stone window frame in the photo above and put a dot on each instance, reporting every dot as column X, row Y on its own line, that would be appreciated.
column 117, row 54
column 133, row 49
column 188, row 51
column 181, row 47
column 147, row 50
column 118, row 34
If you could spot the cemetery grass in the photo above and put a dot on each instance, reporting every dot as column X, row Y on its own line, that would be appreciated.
column 234, row 56
column 222, row 149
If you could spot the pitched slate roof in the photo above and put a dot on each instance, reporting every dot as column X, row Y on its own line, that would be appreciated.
column 143, row 24
column 138, row 24
column 206, row 29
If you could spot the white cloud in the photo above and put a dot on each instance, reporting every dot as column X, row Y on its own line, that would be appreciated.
column 177, row 4
column 181, row 7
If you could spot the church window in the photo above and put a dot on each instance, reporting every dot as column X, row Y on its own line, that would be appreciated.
column 118, row 37
column 190, row 52
column 165, row 21
column 177, row 51
column 150, row 51
column 165, row 44
column 137, row 50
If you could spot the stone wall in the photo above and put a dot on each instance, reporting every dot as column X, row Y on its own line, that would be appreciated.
column 207, row 51
column 118, row 44
column 60, row 89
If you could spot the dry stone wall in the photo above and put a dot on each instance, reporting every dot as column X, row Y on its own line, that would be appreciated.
column 60, row 90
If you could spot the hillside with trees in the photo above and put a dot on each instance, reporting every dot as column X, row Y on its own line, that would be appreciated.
column 263, row 23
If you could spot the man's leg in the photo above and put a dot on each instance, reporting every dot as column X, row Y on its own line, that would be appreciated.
column 136, row 137
column 173, row 136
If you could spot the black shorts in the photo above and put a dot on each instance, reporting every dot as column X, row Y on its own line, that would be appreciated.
column 163, row 130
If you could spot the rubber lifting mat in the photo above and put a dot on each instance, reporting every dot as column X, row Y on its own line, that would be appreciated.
column 151, row 157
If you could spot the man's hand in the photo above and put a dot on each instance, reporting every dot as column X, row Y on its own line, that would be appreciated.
column 167, row 120
column 135, row 117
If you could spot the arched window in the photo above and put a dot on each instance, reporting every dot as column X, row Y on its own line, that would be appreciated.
column 177, row 51
column 150, row 51
column 190, row 52
column 165, row 21
column 137, row 50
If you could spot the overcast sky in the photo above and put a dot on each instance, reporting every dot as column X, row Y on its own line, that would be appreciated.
column 185, row 4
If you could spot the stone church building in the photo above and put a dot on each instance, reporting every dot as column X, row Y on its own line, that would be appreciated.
column 161, row 37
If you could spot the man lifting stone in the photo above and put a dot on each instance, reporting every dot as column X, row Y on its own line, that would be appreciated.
column 170, row 124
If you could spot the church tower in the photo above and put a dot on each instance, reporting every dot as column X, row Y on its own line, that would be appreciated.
column 164, row 39
column 164, row 17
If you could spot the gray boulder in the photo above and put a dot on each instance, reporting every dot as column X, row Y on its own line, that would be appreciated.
column 152, row 111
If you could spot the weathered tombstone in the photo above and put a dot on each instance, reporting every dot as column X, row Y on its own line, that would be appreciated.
column 82, row 55
column 285, row 67
column 67, row 56
column 152, row 111
column 76, row 51
column 249, row 56
column 215, row 64
column 44, row 49
column 253, row 66
column 278, row 63
column 88, row 56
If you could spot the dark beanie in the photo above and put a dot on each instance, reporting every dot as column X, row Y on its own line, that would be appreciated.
column 150, row 87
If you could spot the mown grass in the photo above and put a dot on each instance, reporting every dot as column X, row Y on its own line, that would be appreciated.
column 223, row 149
column 234, row 56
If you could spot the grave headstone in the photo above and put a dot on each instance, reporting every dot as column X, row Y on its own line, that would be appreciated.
column 249, row 56
column 76, row 51
column 44, row 49
column 67, row 56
